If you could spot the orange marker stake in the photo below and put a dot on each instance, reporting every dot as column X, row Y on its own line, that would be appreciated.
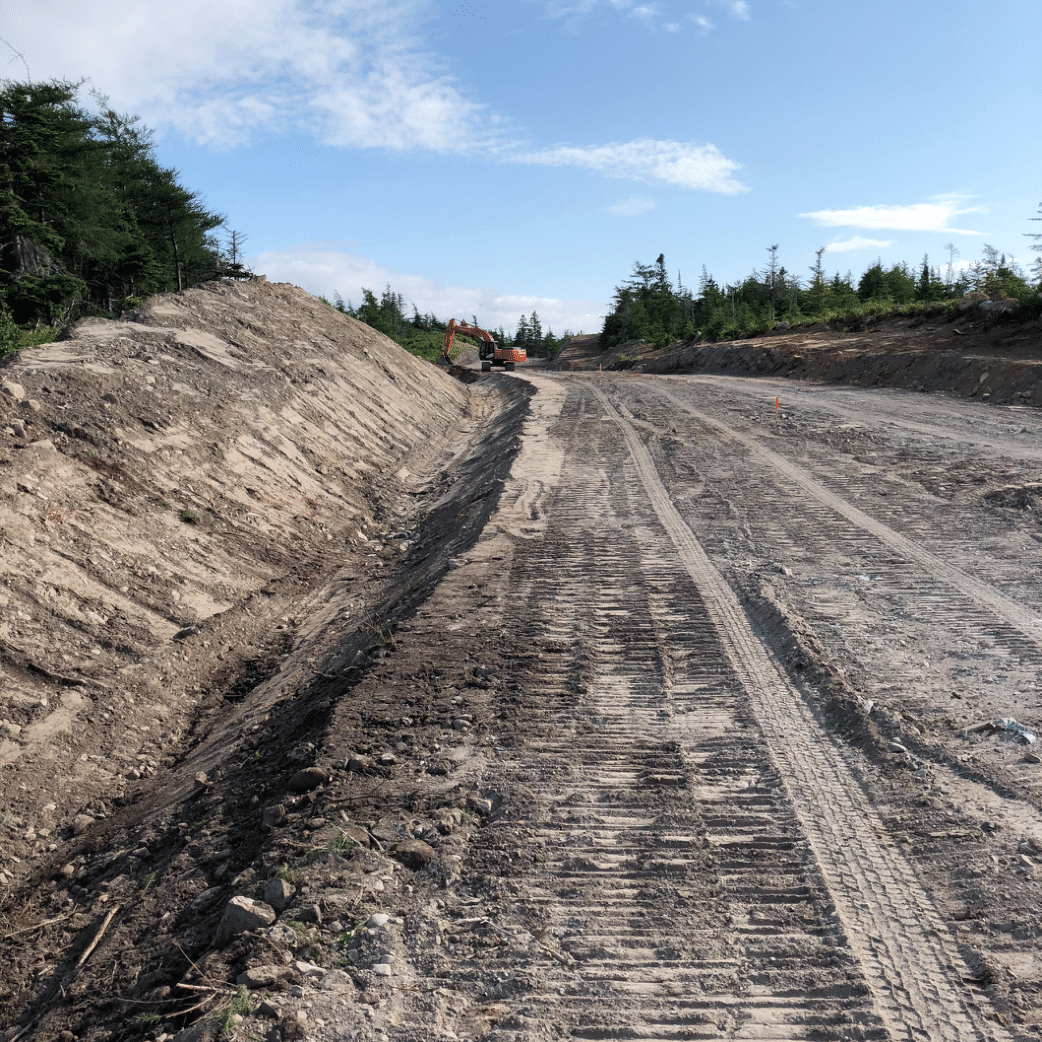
column 777, row 402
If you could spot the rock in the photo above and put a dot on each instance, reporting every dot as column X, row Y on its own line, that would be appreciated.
column 310, row 914
column 308, row 969
column 242, row 915
column 81, row 823
column 459, row 724
column 282, row 936
column 383, row 969
column 337, row 980
column 262, row 976
column 308, row 779
column 387, row 759
column 278, row 893
column 357, row 835
column 1032, row 758
column 376, row 920
column 413, row 853
column 896, row 747
column 479, row 805
column 294, row 1024
column 16, row 391
column 109, row 398
column 358, row 764
column 12, row 730
column 274, row 816
column 972, row 300
column 31, row 403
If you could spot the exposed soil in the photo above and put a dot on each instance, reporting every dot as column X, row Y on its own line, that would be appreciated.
column 531, row 706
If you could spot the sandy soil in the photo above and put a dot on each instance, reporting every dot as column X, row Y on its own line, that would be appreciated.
column 534, row 706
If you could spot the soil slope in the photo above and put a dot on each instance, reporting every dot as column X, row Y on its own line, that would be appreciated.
column 970, row 357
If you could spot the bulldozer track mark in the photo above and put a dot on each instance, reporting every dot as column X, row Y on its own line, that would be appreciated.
column 916, row 978
column 1013, row 614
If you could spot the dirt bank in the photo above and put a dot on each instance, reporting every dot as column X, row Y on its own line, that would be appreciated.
column 1001, row 363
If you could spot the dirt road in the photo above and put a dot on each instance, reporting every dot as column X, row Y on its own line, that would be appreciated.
column 691, row 734
column 735, row 800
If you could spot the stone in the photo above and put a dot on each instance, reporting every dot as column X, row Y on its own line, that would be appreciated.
column 459, row 724
column 414, row 853
column 896, row 747
column 376, row 920
column 278, row 893
column 282, row 936
column 383, row 969
column 310, row 914
column 16, row 391
column 44, row 443
column 308, row 969
column 387, row 759
column 358, row 764
column 109, row 398
column 1032, row 758
column 479, row 805
column 274, row 816
column 32, row 404
column 308, row 779
column 294, row 1024
column 337, row 980
column 241, row 915
column 262, row 976
column 81, row 823
column 357, row 835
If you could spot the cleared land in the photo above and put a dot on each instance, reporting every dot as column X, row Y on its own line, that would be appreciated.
column 565, row 704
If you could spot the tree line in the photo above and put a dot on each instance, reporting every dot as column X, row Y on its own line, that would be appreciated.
column 424, row 334
column 90, row 222
column 650, row 307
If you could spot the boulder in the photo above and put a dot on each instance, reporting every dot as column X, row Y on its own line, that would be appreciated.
column 278, row 893
column 262, row 976
column 308, row 779
column 241, row 915
column 414, row 853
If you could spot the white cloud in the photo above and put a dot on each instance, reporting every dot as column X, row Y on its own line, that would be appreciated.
column 702, row 22
column 858, row 243
column 632, row 207
column 352, row 73
column 687, row 165
column 917, row 217
column 644, row 11
column 672, row 27
column 738, row 8
column 322, row 268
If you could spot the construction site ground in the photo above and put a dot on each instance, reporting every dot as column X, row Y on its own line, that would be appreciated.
column 347, row 697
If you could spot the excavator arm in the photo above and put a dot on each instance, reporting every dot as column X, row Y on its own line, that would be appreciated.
column 454, row 327
column 489, row 352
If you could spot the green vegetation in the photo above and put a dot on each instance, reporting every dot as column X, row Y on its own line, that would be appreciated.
column 424, row 335
column 648, row 307
column 90, row 223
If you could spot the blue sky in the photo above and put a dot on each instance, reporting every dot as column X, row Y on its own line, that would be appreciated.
column 492, row 159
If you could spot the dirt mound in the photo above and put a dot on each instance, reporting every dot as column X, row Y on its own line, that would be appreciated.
column 185, row 472
column 970, row 357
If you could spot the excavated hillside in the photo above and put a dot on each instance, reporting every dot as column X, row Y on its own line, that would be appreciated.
column 197, row 503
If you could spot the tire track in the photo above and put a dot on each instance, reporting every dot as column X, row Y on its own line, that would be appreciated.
column 1014, row 614
column 654, row 880
column 915, row 977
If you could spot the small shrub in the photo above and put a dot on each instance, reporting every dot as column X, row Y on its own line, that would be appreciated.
column 189, row 517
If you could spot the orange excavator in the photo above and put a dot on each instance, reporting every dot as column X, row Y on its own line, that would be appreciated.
column 489, row 351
